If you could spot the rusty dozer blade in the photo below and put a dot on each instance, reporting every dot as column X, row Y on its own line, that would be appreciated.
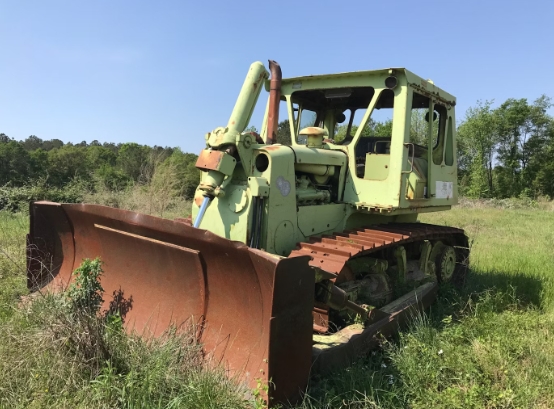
column 256, row 309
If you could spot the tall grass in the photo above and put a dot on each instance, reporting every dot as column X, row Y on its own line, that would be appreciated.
column 144, row 199
column 50, row 358
column 13, row 228
column 158, row 193
column 52, row 355
column 489, row 346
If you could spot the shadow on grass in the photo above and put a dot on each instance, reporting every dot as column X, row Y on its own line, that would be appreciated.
column 525, row 288
column 373, row 381
column 509, row 291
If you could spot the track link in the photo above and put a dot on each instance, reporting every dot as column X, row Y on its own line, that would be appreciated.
column 331, row 252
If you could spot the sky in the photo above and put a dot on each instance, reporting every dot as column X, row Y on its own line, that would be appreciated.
column 167, row 72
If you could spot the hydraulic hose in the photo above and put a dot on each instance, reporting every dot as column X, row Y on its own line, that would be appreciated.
column 253, row 228
column 260, row 221
column 202, row 211
column 257, row 222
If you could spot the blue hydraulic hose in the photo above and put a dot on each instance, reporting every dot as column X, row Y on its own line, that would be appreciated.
column 203, row 208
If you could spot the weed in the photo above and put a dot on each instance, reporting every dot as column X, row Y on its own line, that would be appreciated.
column 260, row 392
column 85, row 293
column 61, row 350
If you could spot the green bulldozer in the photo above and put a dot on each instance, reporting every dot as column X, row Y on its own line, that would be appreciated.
column 303, row 247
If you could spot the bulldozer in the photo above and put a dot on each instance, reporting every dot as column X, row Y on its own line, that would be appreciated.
column 303, row 248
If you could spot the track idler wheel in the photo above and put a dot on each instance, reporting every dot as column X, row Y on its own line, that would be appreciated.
column 445, row 262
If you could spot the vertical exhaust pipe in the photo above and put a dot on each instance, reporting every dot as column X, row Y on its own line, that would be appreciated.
column 274, row 99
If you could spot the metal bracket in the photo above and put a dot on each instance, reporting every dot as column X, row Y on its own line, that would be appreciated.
column 258, row 187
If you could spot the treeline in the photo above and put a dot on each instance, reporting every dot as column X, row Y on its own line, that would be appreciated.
column 94, row 165
column 507, row 151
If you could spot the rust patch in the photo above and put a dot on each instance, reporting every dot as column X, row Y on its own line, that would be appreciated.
column 331, row 252
column 320, row 316
column 417, row 204
column 257, row 324
column 274, row 100
column 261, row 78
column 186, row 220
column 209, row 160
column 256, row 136
column 313, row 131
column 198, row 200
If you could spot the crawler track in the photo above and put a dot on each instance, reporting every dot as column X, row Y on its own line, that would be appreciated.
column 331, row 252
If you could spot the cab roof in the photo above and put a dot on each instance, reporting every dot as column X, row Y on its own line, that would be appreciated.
column 332, row 80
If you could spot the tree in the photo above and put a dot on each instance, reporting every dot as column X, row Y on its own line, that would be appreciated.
column 163, row 187
column 111, row 146
column 98, row 156
column 537, row 148
column 419, row 126
column 251, row 128
column 32, row 142
column 513, row 129
column 383, row 128
column 283, row 133
column 477, row 140
column 542, row 164
column 66, row 164
column 38, row 163
column 186, row 171
column 507, row 151
column 523, row 135
column 14, row 164
column 371, row 128
column 131, row 158
column 112, row 178
column 52, row 144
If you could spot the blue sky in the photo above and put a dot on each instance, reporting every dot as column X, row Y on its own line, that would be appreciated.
column 166, row 72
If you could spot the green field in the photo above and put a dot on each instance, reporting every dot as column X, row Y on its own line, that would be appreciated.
column 490, row 345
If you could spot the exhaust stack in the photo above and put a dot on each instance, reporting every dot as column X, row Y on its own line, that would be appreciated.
column 274, row 98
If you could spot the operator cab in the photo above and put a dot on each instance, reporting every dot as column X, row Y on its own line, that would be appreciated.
column 397, row 129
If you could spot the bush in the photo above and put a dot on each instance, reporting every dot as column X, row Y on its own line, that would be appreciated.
column 17, row 199
column 509, row 203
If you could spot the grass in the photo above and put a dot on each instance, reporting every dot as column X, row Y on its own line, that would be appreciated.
column 146, row 199
column 13, row 228
column 55, row 355
column 490, row 345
